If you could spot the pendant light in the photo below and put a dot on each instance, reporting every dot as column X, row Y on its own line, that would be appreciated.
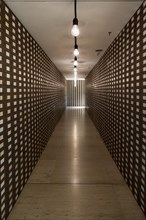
column 75, row 32
column 75, row 29
column 75, row 69
column 75, row 61
column 76, row 51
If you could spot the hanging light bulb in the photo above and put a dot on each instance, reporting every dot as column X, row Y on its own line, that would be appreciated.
column 75, row 61
column 76, row 51
column 75, row 29
column 75, row 69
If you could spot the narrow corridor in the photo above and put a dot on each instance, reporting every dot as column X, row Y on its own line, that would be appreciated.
column 75, row 178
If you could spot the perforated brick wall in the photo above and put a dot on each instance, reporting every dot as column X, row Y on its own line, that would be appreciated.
column 116, row 101
column 31, row 103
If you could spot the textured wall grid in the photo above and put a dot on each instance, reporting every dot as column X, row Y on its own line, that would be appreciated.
column 116, row 101
column 31, row 103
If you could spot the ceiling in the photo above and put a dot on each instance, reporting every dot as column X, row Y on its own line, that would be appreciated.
column 50, row 23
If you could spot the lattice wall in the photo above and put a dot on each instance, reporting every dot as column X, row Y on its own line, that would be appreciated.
column 31, row 103
column 116, row 101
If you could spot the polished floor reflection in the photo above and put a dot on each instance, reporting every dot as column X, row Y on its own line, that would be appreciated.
column 76, row 179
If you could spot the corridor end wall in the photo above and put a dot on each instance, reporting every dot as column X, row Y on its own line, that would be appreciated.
column 32, row 100
column 116, row 102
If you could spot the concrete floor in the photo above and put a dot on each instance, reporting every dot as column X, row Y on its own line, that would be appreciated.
column 76, row 179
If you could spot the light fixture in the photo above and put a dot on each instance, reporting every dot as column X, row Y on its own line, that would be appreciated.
column 75, row 69
column 75, row 30
column 76, row 51
column 75, row 61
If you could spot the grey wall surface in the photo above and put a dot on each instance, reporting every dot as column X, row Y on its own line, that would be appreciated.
column 76, row 95
column 32, row 100
column 116, row 102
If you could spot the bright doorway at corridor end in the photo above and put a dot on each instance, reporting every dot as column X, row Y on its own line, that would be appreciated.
column 75, row 96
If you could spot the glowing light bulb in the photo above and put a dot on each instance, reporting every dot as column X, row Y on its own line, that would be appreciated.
column 75, row 61
column 75, row 69
column 75, row 30
column 76, row 52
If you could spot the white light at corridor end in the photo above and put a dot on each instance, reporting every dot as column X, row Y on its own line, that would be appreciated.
column 75, row 82
column 75, row 79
